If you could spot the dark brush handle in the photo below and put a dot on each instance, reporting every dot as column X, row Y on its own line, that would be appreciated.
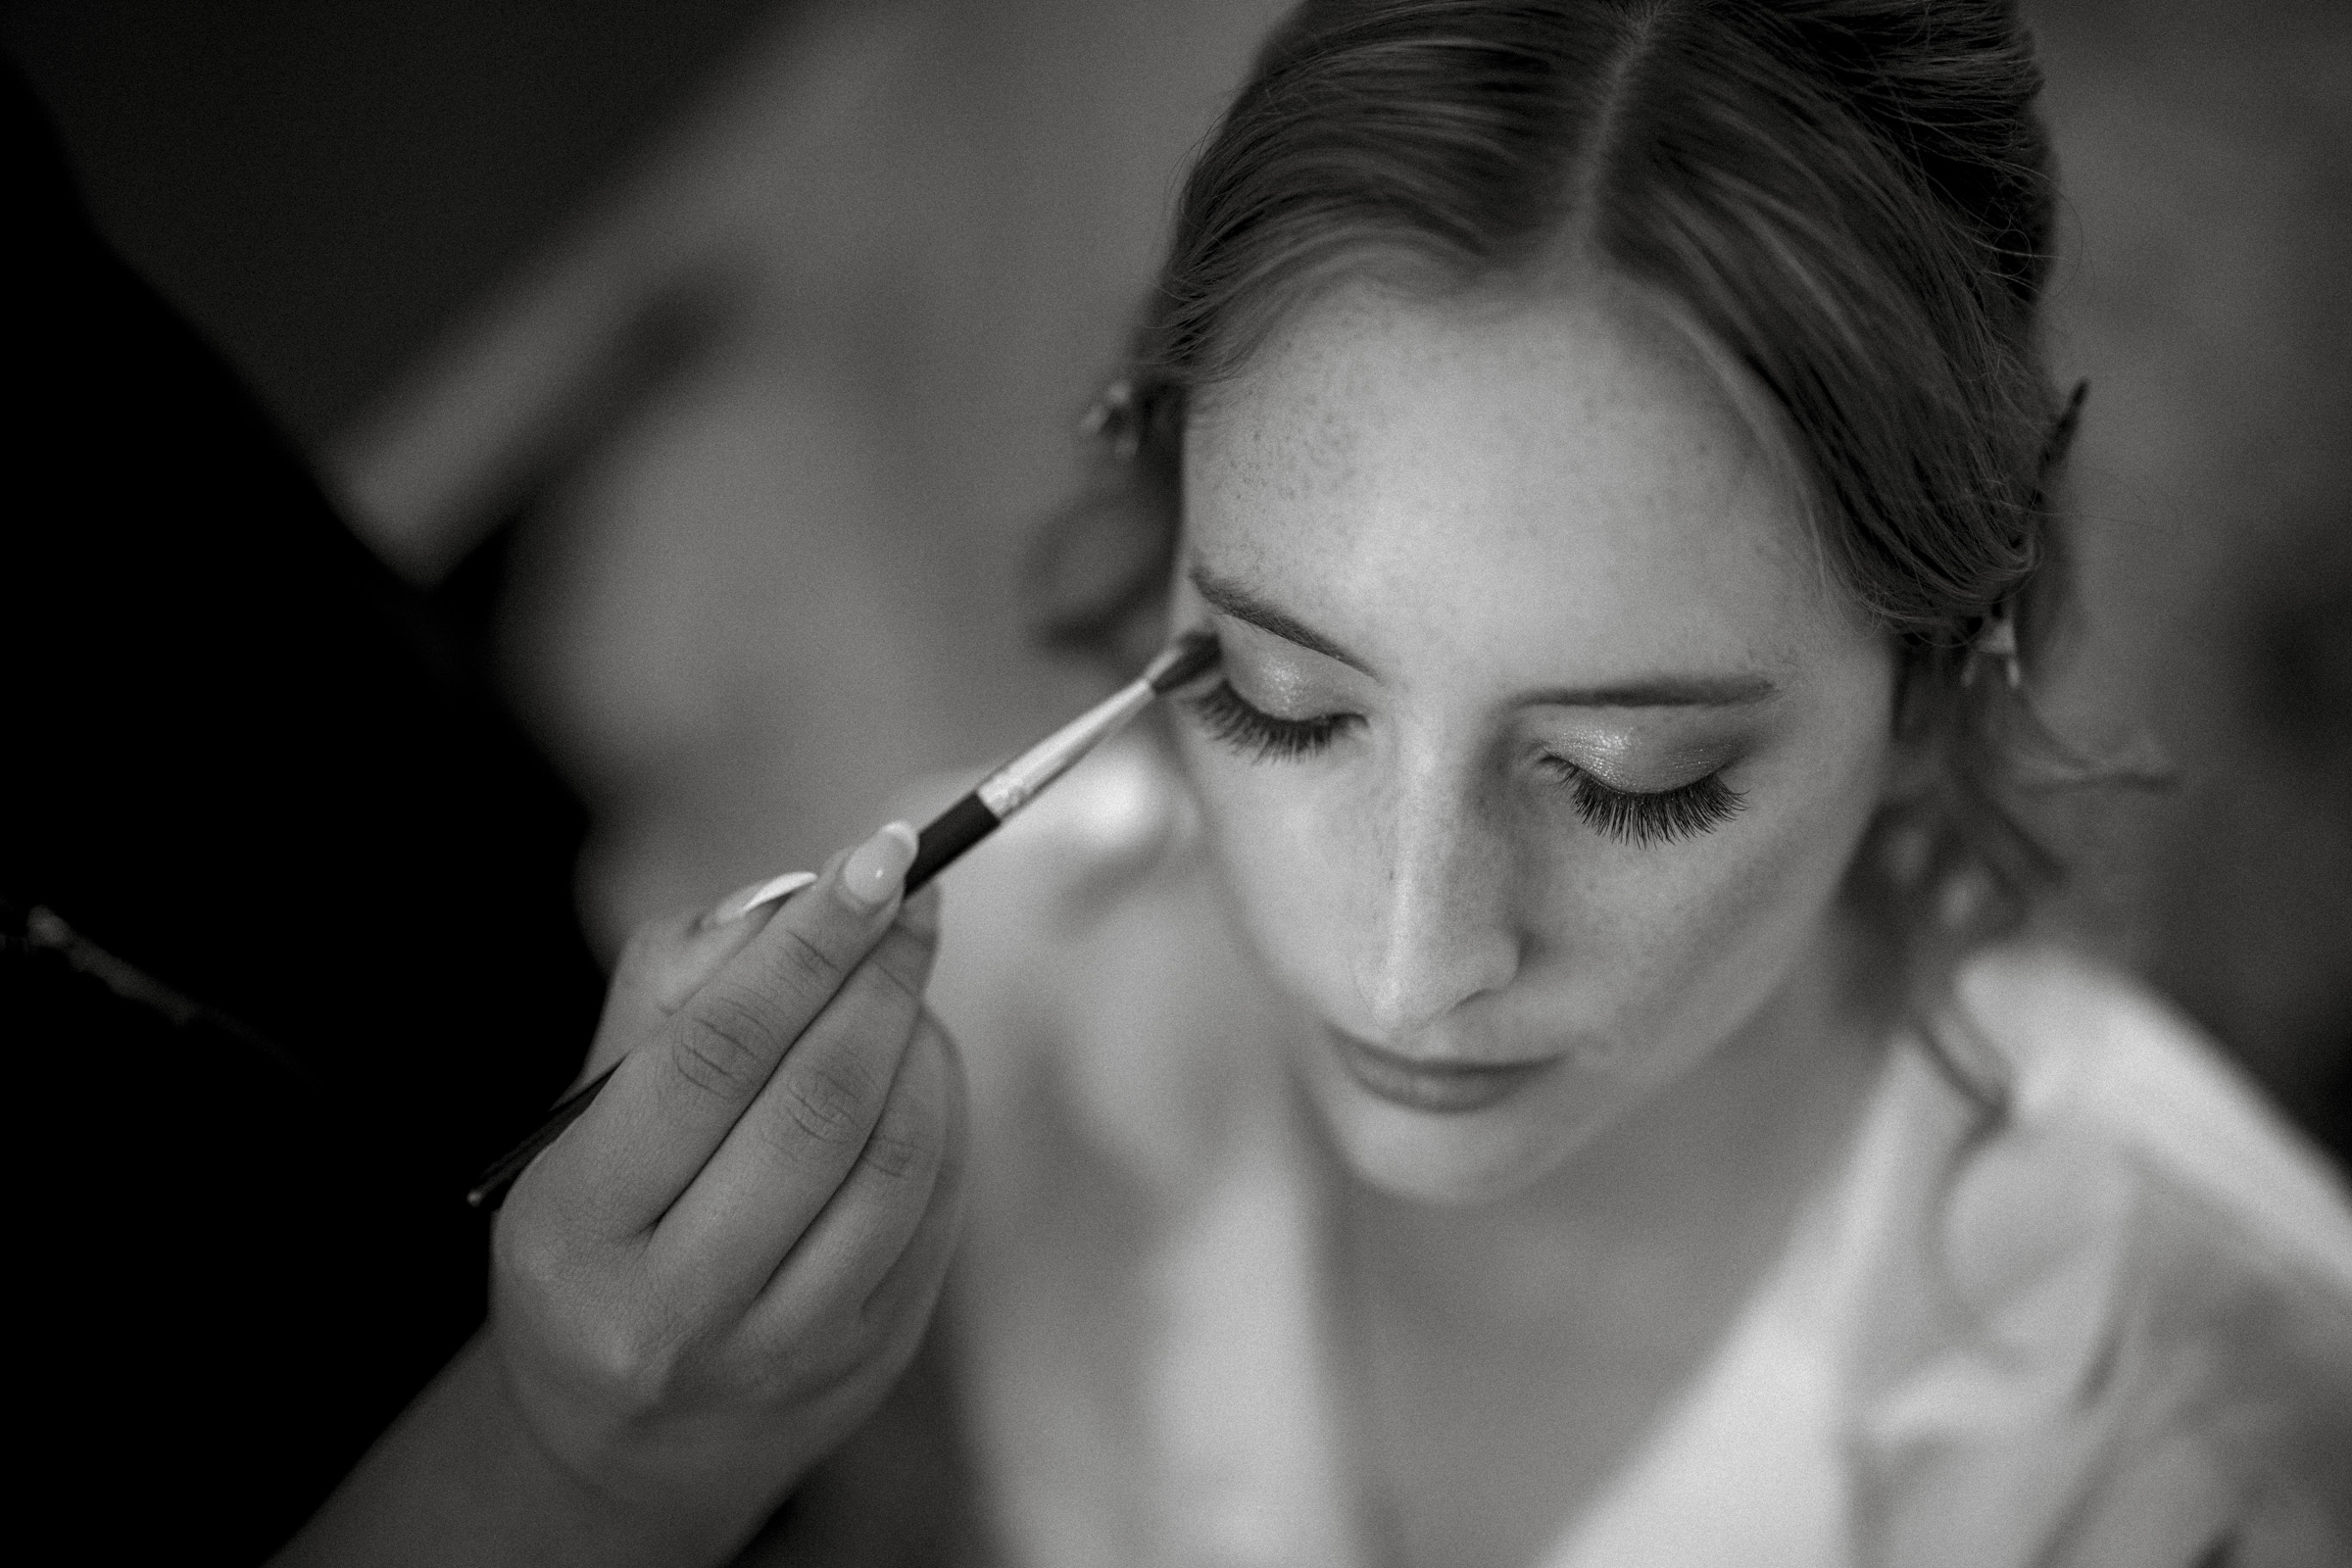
column 946, row 836
column 490, row 1188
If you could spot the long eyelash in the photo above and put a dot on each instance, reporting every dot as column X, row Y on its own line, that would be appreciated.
column 1682, row 813
column 1260, row 736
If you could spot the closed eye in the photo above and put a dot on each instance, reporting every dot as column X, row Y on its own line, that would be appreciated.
column 1234, row 722
column 1643, row 818
column 1639, row 818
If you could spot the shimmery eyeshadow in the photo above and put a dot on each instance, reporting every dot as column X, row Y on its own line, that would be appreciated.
column 1627, row 761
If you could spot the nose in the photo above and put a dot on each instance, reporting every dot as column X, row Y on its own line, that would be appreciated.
column 1440, row 928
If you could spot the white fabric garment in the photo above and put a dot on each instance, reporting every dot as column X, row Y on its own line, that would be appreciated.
column 2111, row 1326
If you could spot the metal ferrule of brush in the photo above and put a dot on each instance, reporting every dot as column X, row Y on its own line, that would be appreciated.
column 1008, row 788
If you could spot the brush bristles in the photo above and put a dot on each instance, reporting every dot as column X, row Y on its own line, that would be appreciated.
column 1186, row 659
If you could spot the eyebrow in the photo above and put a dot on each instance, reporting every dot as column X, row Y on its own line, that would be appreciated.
column 1243, row 605
column 1652, row 691
column 1659, row 691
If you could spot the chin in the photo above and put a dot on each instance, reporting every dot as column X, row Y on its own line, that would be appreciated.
column 1449, row 1159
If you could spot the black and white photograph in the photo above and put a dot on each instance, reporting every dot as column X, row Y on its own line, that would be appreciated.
column 1180, row 783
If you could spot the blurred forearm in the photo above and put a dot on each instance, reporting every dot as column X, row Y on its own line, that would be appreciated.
column 458, row 1480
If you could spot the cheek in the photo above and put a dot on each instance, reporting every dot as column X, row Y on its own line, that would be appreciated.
column 1271, row 831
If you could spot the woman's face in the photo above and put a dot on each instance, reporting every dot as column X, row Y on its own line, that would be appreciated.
column 1545, row 737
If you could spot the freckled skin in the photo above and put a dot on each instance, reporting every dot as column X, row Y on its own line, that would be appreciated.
column 1480, row 501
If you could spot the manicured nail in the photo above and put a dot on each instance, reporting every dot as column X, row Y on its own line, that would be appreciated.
column 876, row 867
column 743, row 901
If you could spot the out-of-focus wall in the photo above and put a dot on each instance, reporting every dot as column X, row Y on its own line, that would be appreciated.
column 320, row 187
column 881, row 271
column 2207, row 155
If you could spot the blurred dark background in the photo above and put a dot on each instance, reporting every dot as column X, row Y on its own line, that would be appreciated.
column 325, row 186
column 711, row 358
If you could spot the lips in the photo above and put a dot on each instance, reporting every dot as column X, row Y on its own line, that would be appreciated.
column 1449, row 1088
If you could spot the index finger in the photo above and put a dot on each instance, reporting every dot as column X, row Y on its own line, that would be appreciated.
column 672, row 1100
column 668, row 959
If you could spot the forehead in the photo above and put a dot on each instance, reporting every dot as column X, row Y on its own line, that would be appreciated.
column 1565, row 476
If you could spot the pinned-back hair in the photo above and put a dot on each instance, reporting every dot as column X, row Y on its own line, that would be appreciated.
column 1850, row 200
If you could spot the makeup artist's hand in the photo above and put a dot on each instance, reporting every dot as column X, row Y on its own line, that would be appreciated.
column 719, row 1271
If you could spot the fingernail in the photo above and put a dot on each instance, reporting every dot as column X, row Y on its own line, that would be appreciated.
column 743, row 901
column 876, row 867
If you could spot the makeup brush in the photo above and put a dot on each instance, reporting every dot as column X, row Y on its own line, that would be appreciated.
column 943, row 839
